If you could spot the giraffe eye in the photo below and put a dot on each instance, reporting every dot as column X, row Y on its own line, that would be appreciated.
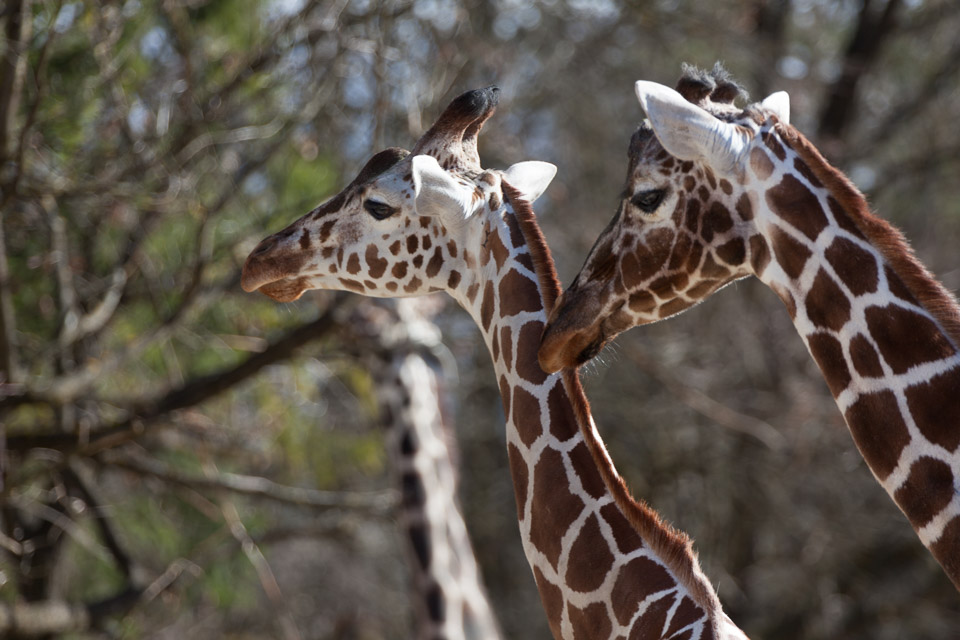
column 379, row 210
column 648, row 201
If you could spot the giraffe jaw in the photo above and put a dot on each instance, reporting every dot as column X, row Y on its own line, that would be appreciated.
column 571, row 337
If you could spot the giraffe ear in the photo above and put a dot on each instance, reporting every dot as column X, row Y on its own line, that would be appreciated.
column 779, row 103
column 531, row 178
column 436, row 192
column 687, row 131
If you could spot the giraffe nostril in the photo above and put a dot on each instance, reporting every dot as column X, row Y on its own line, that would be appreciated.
column 265, row 246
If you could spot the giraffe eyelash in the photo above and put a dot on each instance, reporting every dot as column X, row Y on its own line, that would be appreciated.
column 648, row 201
column 379, row 210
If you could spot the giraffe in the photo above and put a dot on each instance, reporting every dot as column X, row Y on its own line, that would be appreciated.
column 715, row 193
column 399, row 344
column 605, row 565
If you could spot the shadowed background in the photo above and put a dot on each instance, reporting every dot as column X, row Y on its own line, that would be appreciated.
column 186, row 460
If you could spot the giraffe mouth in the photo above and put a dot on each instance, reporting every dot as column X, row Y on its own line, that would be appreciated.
column 591, row 350
column 285, row 289
column 273, row 273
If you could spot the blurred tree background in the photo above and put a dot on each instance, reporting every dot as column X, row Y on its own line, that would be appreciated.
column 184, row 460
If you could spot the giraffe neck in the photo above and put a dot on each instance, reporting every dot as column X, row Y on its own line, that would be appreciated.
column 605, row 566
column 450, row 599
column 884, row 333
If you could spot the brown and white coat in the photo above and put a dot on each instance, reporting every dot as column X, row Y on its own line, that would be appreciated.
column 715, row 193
column 605, row 565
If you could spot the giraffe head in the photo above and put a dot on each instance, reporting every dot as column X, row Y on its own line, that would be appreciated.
column 396, row 229
column 685, row 226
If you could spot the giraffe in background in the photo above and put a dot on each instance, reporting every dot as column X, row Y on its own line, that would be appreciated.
column 605, row 565
column 400, row 343
column 716, row 193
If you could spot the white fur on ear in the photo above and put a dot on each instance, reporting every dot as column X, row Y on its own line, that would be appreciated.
column 779, row 103
column 531, row 178
column 687, row 131
column 436, row 191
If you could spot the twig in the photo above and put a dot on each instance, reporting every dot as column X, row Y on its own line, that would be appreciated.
column 62, row 522
column 375, row 502
column 120, row 556
column 267, row 578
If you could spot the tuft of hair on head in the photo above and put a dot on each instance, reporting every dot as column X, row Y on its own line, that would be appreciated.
column 701, row 86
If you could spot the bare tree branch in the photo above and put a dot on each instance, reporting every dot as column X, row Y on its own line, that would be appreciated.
column 375, row 502
column 708, row 407
column 267, row 578
column 193, row 392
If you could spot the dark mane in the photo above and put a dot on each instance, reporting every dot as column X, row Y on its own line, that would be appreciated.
column 673, row 546
column 891, row 243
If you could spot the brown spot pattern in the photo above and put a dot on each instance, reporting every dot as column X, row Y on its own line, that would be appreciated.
column 828, row 352
column 744, row 207
column 549, row 524
column 760, row 163
column 770, row 139
column 352, row 285
column 590, row 559
column 526, row 415
column 516, row 235
column 628, row 592
column 686, row 614
column 947, row 548
column 652, row 621
column 864, row 357
column 505, row 393
column 797, row 205
column 413, row 285
column 552, row 599
column 642, row 302
column 563, row 424
column 528, row 341
column 673, row 307
column 591, row 622
column 353, row 264
column 435, row 263
column 935, row 406
column 519, row 474
column 805, row 171
column 453, row 280
column 518, row 293
column 790, row 254
column 624, row 534
column 927, row 490
column 897, row 287
column 497, row 249
column 844, row 221
column 759, row 254
column 733, row 252
column 711, row 269
column 506, row 343
column 905, row 338
column 716, row 221
column 878, row 430
column 855, row 267
column 486, row 306
column 826, row 305
column 587, row 472
column 376, row 264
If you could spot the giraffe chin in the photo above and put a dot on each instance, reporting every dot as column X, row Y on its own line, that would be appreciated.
column 286, row 290
column 562, row 349
column 282, row 290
